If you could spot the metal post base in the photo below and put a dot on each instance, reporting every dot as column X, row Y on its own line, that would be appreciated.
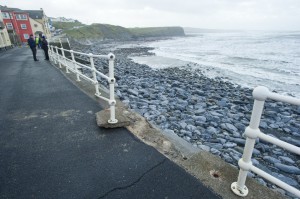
column 243, row 192
column 113, row 121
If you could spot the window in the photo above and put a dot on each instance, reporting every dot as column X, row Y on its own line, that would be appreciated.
column 35, row 25
column 9, row 26
column 5, row 15
column 21, row 17
column 23, row 26
column 26, row 36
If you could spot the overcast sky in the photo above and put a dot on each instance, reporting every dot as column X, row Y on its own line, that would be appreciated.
column 214, row 14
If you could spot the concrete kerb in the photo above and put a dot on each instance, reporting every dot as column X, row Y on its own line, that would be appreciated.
column 211, row 170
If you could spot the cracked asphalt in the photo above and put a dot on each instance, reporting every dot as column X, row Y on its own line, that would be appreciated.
column 51, row 147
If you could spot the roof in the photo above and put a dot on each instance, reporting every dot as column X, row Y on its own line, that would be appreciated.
column 5, row 8
column 35, row 14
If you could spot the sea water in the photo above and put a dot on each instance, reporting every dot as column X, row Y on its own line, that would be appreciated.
column 246, row 58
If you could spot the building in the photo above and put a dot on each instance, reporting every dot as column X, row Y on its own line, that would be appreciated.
column 22, row 23
column 17, row 22
column 4, row 37
column 62, row 19
column 39, row 22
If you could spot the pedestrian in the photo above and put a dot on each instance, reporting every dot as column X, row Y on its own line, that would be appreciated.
column 37, row 40
column 45, row 47
column 31, row 43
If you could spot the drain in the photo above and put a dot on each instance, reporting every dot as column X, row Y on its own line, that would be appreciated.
column 215, row 174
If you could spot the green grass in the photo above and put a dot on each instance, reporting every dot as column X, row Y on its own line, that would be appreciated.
column 107, row 31
column 157, row 31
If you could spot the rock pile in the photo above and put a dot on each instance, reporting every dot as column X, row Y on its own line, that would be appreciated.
column 212, row 114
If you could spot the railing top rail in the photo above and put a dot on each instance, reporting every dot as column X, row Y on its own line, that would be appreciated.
column 109, row 56
column 261, row 93
column 58, row 39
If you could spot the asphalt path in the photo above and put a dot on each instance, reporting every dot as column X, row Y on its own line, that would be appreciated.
column 51, row 147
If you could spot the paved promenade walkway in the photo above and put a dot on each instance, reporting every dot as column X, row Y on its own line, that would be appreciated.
column 51, row 147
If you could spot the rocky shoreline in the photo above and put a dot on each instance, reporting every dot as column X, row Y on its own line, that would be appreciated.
column 209, row 113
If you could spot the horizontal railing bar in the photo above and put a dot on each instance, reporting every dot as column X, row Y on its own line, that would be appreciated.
column 102, row 75
column 104, row 98
column 280, row 143
column 252, row 132
column 87, row 78
column 86, row 54
column 282, row 98
column 85, row 66
column 82, row 75
column 101, row 56
column 80, row 64
column 275, row 180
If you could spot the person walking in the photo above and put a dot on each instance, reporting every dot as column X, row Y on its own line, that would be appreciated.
column 45, row 47
column 31, row 43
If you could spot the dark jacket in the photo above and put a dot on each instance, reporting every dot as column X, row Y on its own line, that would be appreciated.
column 44, row 44
column 31, row 43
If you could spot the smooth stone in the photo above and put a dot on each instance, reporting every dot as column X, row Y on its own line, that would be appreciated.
column 204, row 147
column 184, row 132
column 254, row 162
column 229, row 127
column 227, row 158
column 215, row 145
column 285, row 179
column 182, row 124
column 221, row 140
column 271, row 160
column 239, row 141
column 287, row 168
column 261, row 181
column 229, row 145
column 291, row 140
column 263, row 125
column 201, row 119
column 286, row 159
column 211, row 130
column 133, row 92
column 190, row 128
column 215, row 151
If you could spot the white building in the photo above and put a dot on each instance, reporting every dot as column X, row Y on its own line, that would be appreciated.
column 4, row 37
column 62, row 19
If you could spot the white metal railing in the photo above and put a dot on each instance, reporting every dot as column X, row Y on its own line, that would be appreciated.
column 72, row 65
column 60, row 40
column 252, row 132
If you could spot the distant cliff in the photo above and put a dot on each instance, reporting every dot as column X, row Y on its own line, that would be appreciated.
column 98, row 32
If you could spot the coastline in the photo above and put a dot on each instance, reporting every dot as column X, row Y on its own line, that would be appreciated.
column 211, row 114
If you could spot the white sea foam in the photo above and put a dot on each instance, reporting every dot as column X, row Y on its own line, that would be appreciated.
column 246, row 58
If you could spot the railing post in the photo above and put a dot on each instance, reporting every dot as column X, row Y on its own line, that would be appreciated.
column 65, row 61
column 60, row 43
column 68, row 43
column 97, row 93
column 75, row 67
column 112, row 80
column 58, row 59
column 54, row 55
column 260, row 95
column 50, row 53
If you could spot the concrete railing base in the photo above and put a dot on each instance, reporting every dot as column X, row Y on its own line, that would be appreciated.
column 102, row 118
